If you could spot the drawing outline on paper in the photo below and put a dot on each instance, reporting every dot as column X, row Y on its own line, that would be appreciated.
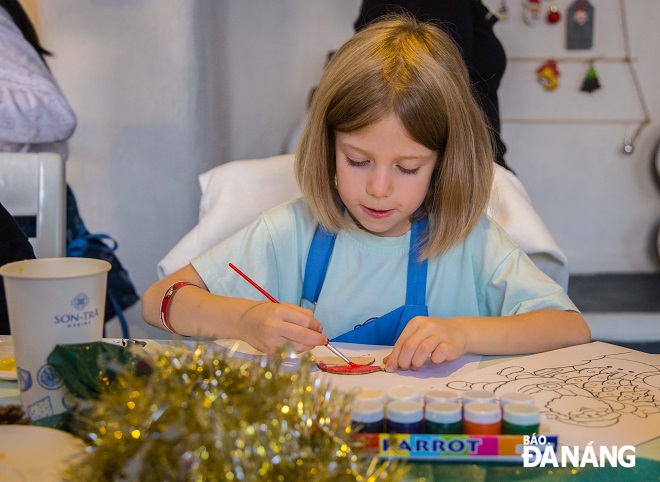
column 596, row 393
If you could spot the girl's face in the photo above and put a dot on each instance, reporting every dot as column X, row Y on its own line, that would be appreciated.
column 383, row 175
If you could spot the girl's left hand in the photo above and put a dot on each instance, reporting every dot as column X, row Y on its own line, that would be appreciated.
column 439, row 339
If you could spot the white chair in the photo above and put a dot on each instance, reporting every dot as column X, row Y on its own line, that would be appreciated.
column 33, row 185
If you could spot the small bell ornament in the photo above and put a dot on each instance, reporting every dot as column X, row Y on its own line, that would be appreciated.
column 548, row 75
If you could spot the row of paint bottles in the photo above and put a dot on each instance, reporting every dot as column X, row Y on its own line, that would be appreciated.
column 404, row 410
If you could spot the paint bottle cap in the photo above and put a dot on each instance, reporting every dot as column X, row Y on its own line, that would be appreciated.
column 479, row 396
column 405, row 411
column 367, row 411
column 513, row 397
column 521, row 414
column 370, row 394
column 403, row 392
column 482, row 412
column 435, row 395
column 443, row 412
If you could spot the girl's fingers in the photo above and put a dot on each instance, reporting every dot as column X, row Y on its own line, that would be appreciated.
column 405, row 352
column 401, row 356
column 301, row 316
column 423, row 352
column 299, row 334
column 392, row 360
column 440, row 353
column 302, row 348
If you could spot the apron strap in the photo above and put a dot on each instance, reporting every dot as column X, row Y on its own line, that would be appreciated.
column 318, row 259
column 416, row 282
column 320, row 251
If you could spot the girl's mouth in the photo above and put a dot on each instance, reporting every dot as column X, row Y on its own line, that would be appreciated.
column 377, row 213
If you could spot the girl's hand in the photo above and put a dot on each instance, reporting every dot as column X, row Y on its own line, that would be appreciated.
column 267, row 326
column 439, row 339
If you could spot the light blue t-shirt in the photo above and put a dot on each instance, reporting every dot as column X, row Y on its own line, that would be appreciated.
column 487, row 274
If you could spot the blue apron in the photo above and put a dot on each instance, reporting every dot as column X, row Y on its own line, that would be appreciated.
column 375, row 331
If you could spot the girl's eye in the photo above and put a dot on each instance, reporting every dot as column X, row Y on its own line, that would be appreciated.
column 353, row 163
column 408, row 171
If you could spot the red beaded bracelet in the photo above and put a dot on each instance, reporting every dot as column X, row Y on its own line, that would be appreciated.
column 167, row 298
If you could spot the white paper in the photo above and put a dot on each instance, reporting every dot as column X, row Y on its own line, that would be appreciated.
column 597, row 392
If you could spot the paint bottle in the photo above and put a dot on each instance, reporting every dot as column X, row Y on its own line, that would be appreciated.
column 482, row 396
column 436, row 395
column 403, row 392
column 404, row 416
column 514, row 397
column 370, row 394
column 368, row 416
column 520, row 419
column 482, row 418
column 443, row 417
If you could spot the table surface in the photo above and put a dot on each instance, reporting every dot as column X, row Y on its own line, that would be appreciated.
column 647, row 467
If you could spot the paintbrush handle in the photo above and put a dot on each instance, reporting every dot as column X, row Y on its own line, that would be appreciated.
column 330, row 347
column 249, row 280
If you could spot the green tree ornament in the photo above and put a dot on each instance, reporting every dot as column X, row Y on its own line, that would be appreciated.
column 590, row 82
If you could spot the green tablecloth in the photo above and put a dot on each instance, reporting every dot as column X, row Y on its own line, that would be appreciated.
column 645, row 470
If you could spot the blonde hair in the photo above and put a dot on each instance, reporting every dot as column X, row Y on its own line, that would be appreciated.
column 412, row 69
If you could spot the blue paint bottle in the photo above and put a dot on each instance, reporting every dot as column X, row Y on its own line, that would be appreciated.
column 368, row 416
column 405, row 417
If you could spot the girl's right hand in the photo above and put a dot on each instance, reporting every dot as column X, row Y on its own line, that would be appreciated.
column 268, row 326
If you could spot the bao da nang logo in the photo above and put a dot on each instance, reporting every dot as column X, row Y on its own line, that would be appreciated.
column 81, row 316
column 537, row 453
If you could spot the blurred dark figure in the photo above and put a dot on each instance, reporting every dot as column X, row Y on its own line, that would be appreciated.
column 14, row 246
column 470, row 24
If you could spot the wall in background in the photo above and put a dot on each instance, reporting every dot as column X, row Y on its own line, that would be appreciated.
column 165, row 90
column 602, row 207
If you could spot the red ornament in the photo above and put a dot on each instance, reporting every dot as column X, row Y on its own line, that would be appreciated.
column 553, row 14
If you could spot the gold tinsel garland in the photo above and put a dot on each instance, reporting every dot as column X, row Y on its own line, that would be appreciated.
column 203, row 415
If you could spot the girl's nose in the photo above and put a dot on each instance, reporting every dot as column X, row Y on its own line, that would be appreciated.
column 379, row 183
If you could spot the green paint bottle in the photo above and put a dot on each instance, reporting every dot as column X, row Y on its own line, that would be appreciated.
column 520, row 419
column 443, row 418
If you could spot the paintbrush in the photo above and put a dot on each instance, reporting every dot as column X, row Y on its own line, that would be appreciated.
column 328, row 345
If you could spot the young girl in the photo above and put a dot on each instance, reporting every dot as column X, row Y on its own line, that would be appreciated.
column 389, row 244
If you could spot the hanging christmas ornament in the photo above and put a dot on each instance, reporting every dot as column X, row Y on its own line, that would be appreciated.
column 503, row 11
column 553, row 14
column 579, row 25
column 628, row 148
column 548, row 74
column 532, row 12
column 580, row 15
column 590, row 82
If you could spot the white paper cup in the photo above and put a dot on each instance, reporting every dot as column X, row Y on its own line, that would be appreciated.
column 51, row 301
